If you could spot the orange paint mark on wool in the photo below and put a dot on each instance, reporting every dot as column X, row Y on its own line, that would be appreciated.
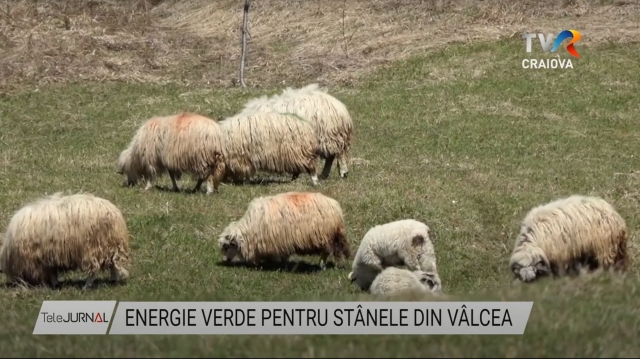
column 183, row 120
column 299, row 199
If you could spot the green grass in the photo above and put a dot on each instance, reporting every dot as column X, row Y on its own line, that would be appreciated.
column 463, row 139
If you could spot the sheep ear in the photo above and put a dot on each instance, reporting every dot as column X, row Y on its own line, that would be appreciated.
column 231, row 240
column 542, row 267
column 417, row 241
column 425, row 278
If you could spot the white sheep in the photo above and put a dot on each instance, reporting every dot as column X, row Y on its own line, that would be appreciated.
column 269, row 141
column 569, row 236
column 330, row 118
column 404, row 242
column 142, row 159
column 395, row 281
column 194, row 144
column 59, row 233
column 278, row 226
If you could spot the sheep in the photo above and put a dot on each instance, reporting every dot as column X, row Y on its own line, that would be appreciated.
column 278, row 226
column 195, row 144
column 269, row 141
column 142, row 159
column 571, row 235
column 331, row 120
column 394, row 281
column 59, row 233
column 404, row 242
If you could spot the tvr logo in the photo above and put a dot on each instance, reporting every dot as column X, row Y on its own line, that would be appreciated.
column 545, row 42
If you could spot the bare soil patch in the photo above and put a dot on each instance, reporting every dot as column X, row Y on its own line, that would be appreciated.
column 293, row 41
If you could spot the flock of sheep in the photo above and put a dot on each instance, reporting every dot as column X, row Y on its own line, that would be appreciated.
column 286, row 134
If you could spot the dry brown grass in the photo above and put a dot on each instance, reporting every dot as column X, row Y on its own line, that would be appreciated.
column 293, row 41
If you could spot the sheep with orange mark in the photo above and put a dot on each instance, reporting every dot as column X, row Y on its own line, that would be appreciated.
column 330, row 118
column 142, row 159
column 55, row 234
column 291, row 223
column 403, row 242
column 269, row 141
column 570, row 236
column 195, row 145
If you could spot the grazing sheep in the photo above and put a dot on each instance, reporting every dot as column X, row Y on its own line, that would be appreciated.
column 331, row 120
column 276, row 227
column 142, row 159
column 567, row 236
column 60, row 233
column 404, row 242
column 394, row 281
column 194, row 144
column 269, row 141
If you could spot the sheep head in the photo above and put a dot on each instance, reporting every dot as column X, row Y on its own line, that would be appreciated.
column 231, row 243
column 429, row 280
column 528, row 264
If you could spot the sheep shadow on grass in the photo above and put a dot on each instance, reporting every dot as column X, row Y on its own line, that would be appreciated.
column 63, row 284
column 258, row 181
column 183, row 189
column 298, row 267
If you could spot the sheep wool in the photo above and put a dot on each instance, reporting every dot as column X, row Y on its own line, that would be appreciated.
column 276, row 227
column 59, row 233
column 397, row 281
column 142, row 159
column 567, row 236
column 269, row 141
column 331, row 120
column 195, row 145
column 404, row 242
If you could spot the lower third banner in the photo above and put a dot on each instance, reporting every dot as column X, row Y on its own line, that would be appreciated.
column 284, row 318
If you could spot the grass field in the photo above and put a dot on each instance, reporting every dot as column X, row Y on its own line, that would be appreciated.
column 460, row 137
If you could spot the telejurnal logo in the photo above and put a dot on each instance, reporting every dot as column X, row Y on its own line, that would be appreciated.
column 546, row 44
column 74, row 317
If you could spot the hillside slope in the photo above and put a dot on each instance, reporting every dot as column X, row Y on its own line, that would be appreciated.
column 293, row 41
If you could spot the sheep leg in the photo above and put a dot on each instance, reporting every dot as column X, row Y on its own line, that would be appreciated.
column 621, row 261
column 342, row 164
column 314, row 177
column 118, row 273
column 89, row 282
column 148, row 185
column 196, row 189
column 53, row 279
column 323, row 261
column 210, row 188
column 311, row 169
column 328, row 162
column 174, row 181
column 215, row 179
column 295, row 267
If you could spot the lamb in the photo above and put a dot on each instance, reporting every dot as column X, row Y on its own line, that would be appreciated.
column 142, row 159
column 269, row 141
column 55, row 234
column 276, row 227
column 331, row 120
column 569, row 236
column 404, row 242
column 394, row 281
column 194, row 144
